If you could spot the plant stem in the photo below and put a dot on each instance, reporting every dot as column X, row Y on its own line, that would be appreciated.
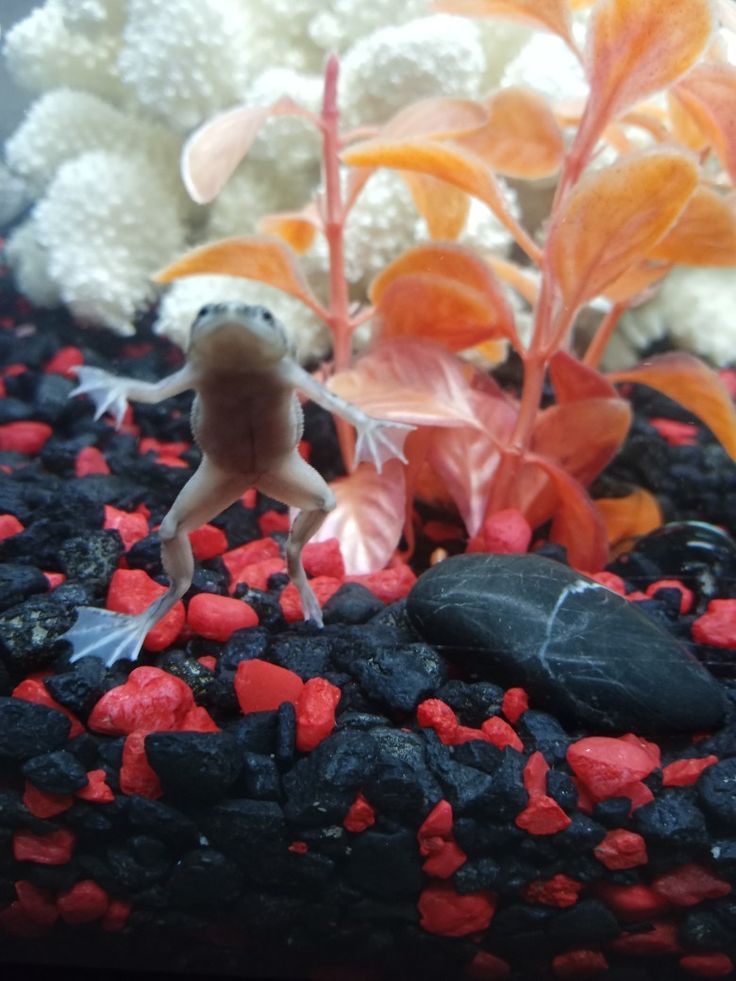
column 602, row 336
column 338, row 318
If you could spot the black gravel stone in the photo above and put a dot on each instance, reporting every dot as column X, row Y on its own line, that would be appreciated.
column 473, row 702
column 260, row 778
column 541, row 731
column 469, row 791
column 52, row 398
column 204, row 877
column 256, row 732
column 672, row 820
column 528, row 621
column 27, row 729
column 28, row 633
column 306, row 656
column 145, row 554
column 192, row 673
column 59, row 772
column 18, row 582
column 400, row 678
column 561, row 788
column 91, row 558
column 723, row 856
column 194, row 765
column 285, row 734
column 14, row 813
column 386, row 864
column 252, row 832
column 480, row 754
column 132, row 871
column 164, row 820
column 320, row 788
column 351, row 604
column 14, row 410
column 477, row 873
column 401, row 784
column 613, row 813
column 81, row 687
column 703, row 929
column 717, row 792
column 587, row 922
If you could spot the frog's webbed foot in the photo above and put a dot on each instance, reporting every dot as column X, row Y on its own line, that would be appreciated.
column 380, row 440
column 110, row 636
column 108, row 393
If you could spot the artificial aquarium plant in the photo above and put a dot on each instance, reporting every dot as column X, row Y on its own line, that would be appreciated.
column 621, row 217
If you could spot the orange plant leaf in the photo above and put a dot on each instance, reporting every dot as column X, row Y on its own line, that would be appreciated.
column 637, row 47
column 703, row 235
column 694, row 386
column 684, row 127
column 409, row 380
column 466, row 459
column 440, row 118
column 521, row 138
column 443, row 207
column 525, row 283
column 445, row 292
column 582, row 437
column 368, row 518
column 613, row 216
column 637, row 282
column 576, row 522
column 212, row 153
column 258, row 257
column 708, row 94
column 631, row 516
column 572, row 380
column 297, row 228
column 551, row 15
column 447, row 162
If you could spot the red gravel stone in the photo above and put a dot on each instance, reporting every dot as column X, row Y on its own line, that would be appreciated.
column 621, row 849
column 271, row 521
column 15, row 920
column 607, row 766
column 361, row 815
column 169, row 450
column 218, row 617
column 237, row 559
column 438, row 823
column 442, row 531
column 445, row 859
column 208, row 661
column 291, row 605
column 132, row 591
column 445, row 912
column 323, row 559
column 136, row 774
column 610, row 580
column 707, row 965
column 130, row 525
column 542, row 816
column 635, row 902
column 717, row 626
column 83, row 903
column 487, row 967
column 44, row 805
column 661, row 939
column 514, row 705
column 34, row 690
column 689, row 885
column 207, row 542
column 198, row 719
column 24, row 437
column 262, row 686
column 652, row 749
column 315, row 713
column 687, row 597
column 117, row 915
column 387, row 585
column 435, row 714
column 97, row 789
column 54, row 579
column 581, row 963
column 90, row 460
column 560, row 890
column 299, row 847
column 506, row 532
column 683, row 773
column 64, row 359
column 674, row 432
column 501, row 734
column 54, row 848
column 9, row 526
column 257, row 574
column 536, row 769
column 38, row 904
column 151, row 700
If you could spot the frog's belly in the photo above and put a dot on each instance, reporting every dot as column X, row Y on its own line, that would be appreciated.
column 247, row 435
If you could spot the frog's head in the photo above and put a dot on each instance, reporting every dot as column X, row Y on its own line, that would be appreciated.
column 234, row 335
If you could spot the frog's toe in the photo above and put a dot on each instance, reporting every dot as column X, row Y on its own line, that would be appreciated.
column 106, row 635
column 311, row 607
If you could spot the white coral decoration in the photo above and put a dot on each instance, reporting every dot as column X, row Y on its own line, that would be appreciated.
column 688, row 299
column 108, row 221
column 42, row 52
column 437, row 55
column 92, row 16
column 29, row 261
column 546, row 64
column 186, row 60
column 307, row 334
column 14, row 195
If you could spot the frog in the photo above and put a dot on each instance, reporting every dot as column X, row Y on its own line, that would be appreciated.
column 247, row 420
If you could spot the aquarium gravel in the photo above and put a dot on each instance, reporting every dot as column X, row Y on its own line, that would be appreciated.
column 261, row 798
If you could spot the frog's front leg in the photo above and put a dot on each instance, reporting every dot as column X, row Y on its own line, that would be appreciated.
column 114, row 636
column 296, row 483
column 111, row 393
column 378, row 440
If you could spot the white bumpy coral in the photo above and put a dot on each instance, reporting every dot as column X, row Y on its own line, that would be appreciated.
column 689, row 298
column 179, row 307
column 28, row 260
column 43, row 52
column 185, row 61
column 14, row 195
column 437, row 55
column 107, row 222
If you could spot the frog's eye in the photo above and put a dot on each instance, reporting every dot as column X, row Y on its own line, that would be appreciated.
column 268, row 316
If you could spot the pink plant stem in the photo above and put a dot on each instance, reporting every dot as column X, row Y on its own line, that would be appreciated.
column 338, row 317
column 597, row 347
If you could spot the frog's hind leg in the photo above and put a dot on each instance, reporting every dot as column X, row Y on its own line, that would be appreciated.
column 297, row 484
column 113, row 636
